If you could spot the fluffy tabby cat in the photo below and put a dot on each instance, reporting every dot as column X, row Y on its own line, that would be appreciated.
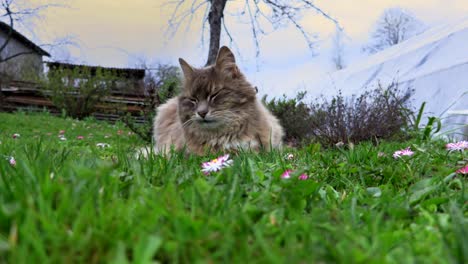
column 216, row 110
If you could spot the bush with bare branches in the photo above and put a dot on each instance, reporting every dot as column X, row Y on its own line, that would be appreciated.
column 375, row 114
column 382, row 113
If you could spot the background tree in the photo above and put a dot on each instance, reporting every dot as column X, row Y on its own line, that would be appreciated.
column 394, row 26
column 259, row 13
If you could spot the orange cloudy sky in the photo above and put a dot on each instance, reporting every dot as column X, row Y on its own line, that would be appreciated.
column 118, row 32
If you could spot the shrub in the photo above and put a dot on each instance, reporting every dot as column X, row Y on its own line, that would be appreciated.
column 77, row 92
column 375, row 114
column 294, row 116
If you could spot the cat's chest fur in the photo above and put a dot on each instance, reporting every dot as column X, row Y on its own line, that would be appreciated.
column 238, row 138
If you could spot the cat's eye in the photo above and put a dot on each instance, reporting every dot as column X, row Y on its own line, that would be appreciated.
column 190, row 102
column 212, row 97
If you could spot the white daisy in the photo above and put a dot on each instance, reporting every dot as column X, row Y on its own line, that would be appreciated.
column 216, row 164
column 12, row 161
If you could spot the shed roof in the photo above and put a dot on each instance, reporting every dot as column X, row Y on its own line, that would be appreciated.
column 5, row 28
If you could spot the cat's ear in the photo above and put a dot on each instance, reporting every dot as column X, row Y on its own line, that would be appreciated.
column 186, row 68
column 226, row 62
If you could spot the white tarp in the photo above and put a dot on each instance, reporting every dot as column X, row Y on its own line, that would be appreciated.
column 434, row 64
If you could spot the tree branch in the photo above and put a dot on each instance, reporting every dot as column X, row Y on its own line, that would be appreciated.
column 6, row 6
column 17, row 13
column 2, row 60
column 281, row 12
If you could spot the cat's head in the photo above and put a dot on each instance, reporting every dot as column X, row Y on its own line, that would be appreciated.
column 217, row 96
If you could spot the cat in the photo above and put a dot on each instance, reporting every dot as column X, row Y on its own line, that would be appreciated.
column 217, row 110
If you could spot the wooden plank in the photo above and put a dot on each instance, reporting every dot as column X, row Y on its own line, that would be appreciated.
column 48, row 103
column 29, row 100
column 114, row 99
column 29, row 96
column 20, row 87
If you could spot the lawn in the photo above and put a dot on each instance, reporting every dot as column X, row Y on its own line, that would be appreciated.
column 65, row 199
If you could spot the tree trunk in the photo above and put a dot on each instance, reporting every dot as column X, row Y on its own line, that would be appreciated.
column 215, row 18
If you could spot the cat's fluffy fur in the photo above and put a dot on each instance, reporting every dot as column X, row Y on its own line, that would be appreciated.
column 217, row 110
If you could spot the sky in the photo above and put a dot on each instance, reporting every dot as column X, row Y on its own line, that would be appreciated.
column 123, row 33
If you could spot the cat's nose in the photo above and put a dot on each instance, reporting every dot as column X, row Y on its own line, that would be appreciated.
column 202, row 113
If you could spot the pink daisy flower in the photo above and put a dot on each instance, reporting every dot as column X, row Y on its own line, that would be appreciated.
column 286, row 174
column 16, row 135
column 464, row 144
column 457, row 146
column 80, row 137
column 404, row 152
column 463, row 170
column 453, row 147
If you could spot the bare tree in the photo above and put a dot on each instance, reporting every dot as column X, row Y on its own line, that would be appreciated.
column 338, row 49
column 394, row 26
column 259, row 14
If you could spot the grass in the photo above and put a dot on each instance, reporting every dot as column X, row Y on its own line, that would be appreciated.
column 72, row 202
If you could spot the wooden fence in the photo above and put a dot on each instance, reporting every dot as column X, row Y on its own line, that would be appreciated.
column 29, row 96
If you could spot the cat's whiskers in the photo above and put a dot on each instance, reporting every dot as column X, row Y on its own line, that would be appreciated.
column 187, row 123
